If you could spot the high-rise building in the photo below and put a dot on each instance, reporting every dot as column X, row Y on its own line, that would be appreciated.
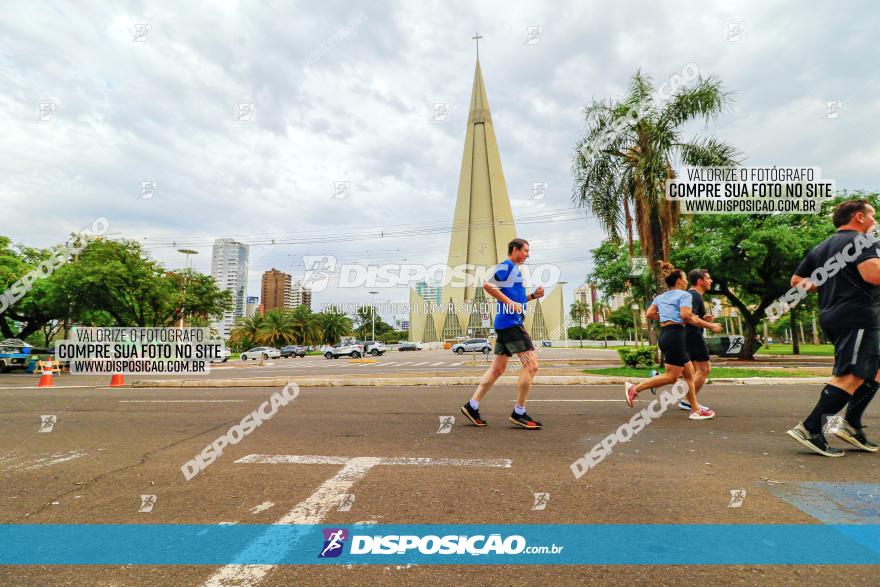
column 617, row 301
column 229, row 268
column 433, row 294
column 585, row 293
column 252, row 308
column 300, row 295
column 275, row 290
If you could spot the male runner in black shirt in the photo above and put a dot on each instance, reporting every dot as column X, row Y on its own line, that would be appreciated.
column 700, row 282
column 846, row 270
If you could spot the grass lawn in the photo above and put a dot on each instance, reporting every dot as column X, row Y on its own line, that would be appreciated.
column 824, row 350
column 716, row 372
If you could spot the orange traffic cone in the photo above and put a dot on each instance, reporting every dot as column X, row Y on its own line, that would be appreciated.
column 46, row 376
column 117, row 380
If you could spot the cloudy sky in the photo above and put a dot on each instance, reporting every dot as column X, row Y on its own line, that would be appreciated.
column 342, row 91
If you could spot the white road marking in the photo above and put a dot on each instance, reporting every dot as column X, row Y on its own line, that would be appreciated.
column 310, row 511
column 262, row 507
column 39, row 463
column 437, row 364
column 333, row 460
column 316, row 507
column 417, row 364
column 456, row 364
column 404, row 363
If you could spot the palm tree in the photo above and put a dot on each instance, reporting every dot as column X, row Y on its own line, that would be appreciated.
column 246, row 332
column 334, row 324
column 277, row 328
column 578, row 310
column 305, row 326
column 629, row 151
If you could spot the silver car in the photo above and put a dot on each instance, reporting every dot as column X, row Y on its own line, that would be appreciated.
column 266, row 352
column 472, row 345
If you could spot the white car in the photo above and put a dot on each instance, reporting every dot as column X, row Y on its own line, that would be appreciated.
column 224, row 356
column 266, row 352
column 377, row 349
column 353, row 350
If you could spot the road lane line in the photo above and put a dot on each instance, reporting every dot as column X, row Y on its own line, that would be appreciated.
column 315, row 508
column 261, row 507
column 310, row 511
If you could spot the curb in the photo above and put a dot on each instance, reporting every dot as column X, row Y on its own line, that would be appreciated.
column 441, row 381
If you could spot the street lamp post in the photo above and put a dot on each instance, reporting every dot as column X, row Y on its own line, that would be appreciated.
column 604, row 327
column 186, row 252
column 635, row 309
column 562, row 316
column 373, row 312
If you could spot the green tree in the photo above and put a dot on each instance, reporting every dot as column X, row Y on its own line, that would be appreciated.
column 622, row 163
column 305, row 326
column 334, row 325
column 276, row 329
column 119, row 279
column 599, row 331
column 621, row 317
column 364, row 320
column 752, row 258
column 578, row 311
column 246, row 332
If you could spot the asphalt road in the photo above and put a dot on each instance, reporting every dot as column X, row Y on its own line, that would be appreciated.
column 443, row 362
column 108, row 447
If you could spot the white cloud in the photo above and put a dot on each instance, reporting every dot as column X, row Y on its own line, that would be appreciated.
column 165, row 109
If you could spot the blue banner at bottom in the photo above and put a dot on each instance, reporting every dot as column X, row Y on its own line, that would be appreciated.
column 526, row 544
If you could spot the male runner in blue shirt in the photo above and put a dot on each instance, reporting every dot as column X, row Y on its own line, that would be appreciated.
column 511, row 336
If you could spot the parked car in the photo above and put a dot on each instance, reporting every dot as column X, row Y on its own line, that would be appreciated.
column 409, row 346
column 353, row 350
column 472, row 345
column 15, row 354
column 293, row 350
column 224, row 356
column 266, row 352
column 375, row 348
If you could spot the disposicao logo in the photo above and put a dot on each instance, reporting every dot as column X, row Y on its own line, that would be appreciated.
column 334, row 540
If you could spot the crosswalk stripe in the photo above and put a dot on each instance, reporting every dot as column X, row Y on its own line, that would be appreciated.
column 440, row 363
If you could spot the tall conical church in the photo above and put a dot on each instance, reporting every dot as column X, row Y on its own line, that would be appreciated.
column 482, row 227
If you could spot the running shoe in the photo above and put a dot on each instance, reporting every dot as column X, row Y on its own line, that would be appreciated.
column 473, row 415
column 814, row 442
column 703, row 413
column 854, row 436
column 684, row 405
column 631, row 394
column 524, row 421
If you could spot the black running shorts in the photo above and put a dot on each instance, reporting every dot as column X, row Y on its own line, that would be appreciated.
column 672, row 343
column 512, row 341
column 856, row 351
column 696, row 345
